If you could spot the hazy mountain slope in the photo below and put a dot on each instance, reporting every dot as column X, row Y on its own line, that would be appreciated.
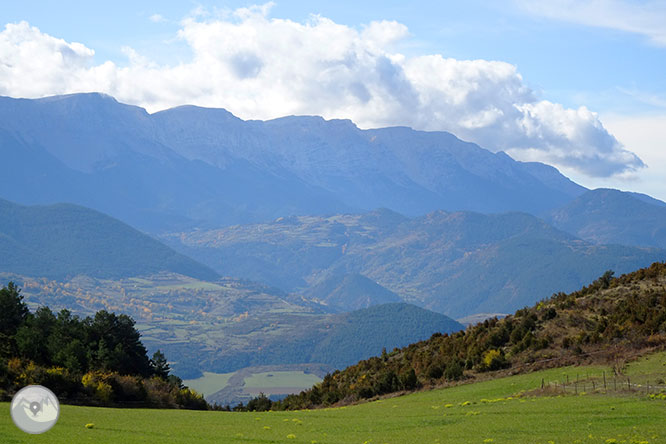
column 90, row 150
column 553, row 178
column 66, row 240
column 350, row 292
column 408, row 171
column 647, row 199
column 230, row 324
column 289, row 253
column 340, row 339
column 607, row 216
column 197, row 167
column 465, row 176
column 455, row 263
column 381, row 326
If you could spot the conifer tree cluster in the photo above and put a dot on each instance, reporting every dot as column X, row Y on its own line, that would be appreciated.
column 94, row 360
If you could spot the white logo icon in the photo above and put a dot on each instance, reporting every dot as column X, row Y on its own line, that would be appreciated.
column 35, row 409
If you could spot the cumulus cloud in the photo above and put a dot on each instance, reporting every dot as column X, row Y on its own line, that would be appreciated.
column 32, row 63
column 260, row 67
column 646, row 18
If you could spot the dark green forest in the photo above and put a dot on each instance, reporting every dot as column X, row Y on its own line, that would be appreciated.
column 97, row 360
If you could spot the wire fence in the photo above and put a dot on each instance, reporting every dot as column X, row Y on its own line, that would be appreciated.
column 604, row 382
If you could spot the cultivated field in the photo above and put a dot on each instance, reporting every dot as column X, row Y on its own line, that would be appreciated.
column 252, row 381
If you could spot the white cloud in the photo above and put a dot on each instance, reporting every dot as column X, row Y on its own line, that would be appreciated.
column 646, row 135
column 157, row 18
column 35, row 64
column 646, row 18
column 260, row 67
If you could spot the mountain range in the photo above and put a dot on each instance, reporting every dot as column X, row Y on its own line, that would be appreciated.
column 187, row 167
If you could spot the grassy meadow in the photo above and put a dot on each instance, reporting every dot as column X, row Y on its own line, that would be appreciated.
column 486, row 412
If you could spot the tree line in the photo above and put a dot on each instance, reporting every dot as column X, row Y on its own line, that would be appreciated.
column 97, row 360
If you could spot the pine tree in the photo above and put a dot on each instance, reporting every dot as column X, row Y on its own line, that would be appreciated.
column 160, row 365
column 13, row 311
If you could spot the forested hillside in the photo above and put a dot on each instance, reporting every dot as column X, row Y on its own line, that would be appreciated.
column 64, row 240
column 606, row 216
column 608, row 321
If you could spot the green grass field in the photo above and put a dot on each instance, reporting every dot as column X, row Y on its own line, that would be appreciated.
column 481, row 413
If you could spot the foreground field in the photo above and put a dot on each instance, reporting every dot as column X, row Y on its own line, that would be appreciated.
column 482, row 413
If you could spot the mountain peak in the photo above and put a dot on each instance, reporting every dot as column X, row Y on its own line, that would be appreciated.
column 606, row 216
column 194, row 111
column 80, row 97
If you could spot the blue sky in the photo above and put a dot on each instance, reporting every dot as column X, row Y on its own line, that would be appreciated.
column 608, row 56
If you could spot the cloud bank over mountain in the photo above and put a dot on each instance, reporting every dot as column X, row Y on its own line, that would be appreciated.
column 262, row 67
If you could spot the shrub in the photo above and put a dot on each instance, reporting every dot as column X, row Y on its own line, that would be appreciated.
column 189, row 399
column 128, row 389
column 158, row 392
column 387, row 382
column 493, row 360
column 259, row 404
column 435, row 370
column 454, row 371
column 549, row 314
column 60, row 381
column 104, row 392
column 408, row 379
column 567, row 342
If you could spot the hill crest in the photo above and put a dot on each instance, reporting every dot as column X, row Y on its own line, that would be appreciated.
column 63, row 240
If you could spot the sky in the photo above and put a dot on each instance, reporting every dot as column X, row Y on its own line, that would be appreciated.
column 578, row 84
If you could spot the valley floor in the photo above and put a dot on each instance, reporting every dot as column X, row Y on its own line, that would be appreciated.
column 497, row 411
